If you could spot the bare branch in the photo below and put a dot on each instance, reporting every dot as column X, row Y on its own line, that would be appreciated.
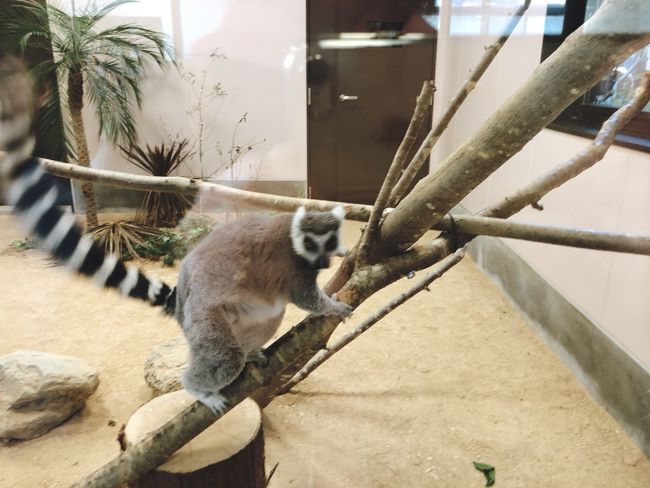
column 563, row 236
column 192, row 187
column 619, row 242
column 421, row 109
column 583, row 59
column 324, row 354
column 423, row 153
column 583, row 160
column 424, row 255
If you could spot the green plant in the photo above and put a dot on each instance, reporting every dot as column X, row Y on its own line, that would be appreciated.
column 193, row 229
column 167, row 246
column 24, row 244
column 103, row 66
column 160, row 209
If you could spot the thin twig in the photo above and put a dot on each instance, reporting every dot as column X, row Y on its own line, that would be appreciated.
column 324, row 354
column 421, row 109
column 420, row 157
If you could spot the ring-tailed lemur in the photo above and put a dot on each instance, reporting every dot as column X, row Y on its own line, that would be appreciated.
column 233, row 286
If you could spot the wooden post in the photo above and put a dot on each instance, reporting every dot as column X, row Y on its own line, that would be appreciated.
column 230, row 453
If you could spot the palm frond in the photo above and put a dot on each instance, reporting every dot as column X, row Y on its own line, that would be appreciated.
column 94, row 13
column 113, row 61
column 113, row 107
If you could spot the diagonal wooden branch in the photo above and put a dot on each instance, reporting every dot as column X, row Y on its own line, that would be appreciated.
column 422, row 256
column 421, row 110
column 581, row 61
column 580, row 162
column 159, row 444
column 425, row 255
column 437, row 130
column 326, row 353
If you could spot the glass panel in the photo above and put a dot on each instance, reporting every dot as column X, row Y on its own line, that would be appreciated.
column 618, row 87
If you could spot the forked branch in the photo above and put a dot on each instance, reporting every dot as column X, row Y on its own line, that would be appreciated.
column 580, row 162
column 424, row 255
column 441, row 124
column 421, row 110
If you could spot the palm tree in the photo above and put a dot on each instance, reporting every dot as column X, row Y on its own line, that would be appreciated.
column 103, row 66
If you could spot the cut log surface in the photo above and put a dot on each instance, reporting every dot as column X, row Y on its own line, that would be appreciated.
column 228, row 454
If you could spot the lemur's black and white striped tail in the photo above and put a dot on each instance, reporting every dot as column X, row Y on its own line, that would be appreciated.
column 33, row 194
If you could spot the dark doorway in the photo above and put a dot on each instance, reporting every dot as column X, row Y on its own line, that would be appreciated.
column 367, row 61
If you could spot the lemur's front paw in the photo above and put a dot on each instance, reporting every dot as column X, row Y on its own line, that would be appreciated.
column 339, row 308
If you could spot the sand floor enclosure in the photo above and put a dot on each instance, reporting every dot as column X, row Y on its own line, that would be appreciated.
column 452, row 377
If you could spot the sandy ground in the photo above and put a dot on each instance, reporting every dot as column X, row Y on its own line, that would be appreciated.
column 452, row 377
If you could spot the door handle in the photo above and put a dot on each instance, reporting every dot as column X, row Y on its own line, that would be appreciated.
column 347, row 98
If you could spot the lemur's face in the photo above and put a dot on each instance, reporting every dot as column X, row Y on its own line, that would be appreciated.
column 315, row 236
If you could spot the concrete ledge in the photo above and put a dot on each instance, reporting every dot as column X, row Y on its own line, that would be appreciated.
column 618, row 382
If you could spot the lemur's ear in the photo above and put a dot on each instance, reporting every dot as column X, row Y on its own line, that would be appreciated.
column 338, row 212
column 300, row 213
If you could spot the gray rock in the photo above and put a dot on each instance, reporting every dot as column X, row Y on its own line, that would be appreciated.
column 164, row 365
column 40, row 390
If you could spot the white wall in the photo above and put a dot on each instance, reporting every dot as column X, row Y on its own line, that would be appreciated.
column 613, row 289
column 263, row 74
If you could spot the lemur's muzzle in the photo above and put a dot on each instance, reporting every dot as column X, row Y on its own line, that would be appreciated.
column 322, row 262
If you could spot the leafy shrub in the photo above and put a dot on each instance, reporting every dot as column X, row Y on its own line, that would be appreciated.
column 24, row 244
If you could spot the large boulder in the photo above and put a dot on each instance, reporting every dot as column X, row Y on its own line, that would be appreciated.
column 40, row 390
column 164, row 365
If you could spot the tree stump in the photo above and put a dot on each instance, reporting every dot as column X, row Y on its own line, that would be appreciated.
column 229, row 454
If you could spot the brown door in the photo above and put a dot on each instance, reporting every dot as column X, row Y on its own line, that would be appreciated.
column 367, row 62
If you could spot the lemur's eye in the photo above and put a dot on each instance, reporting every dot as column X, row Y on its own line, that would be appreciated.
column 332, row 243
column 310, row 244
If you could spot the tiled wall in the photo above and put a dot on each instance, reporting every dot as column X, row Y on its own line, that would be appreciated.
column 613, row 289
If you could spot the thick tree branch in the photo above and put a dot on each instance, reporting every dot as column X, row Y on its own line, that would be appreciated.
column 437, row 130
column 324, row 354
column 421, row 110
column 424, row 255
column 581, row 61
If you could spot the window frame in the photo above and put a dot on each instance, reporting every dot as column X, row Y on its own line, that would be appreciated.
column 584, row 119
